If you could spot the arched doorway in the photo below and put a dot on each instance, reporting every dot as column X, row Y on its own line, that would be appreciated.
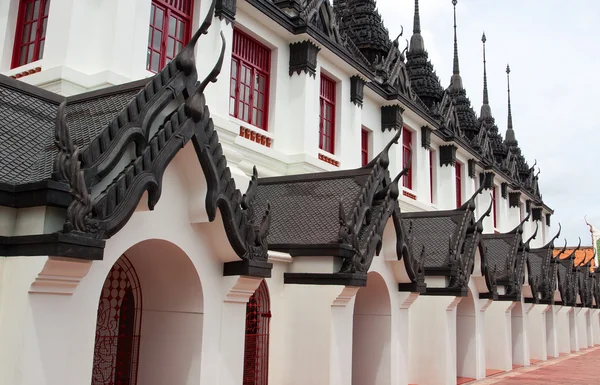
column 166, row 336
column 116, row 351
column 256, row 346
column 466, row 340
column 372, row 334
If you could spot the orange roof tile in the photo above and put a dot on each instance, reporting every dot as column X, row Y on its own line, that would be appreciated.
column 584, row 254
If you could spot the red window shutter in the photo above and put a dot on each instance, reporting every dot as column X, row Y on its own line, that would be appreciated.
column 494, row 205
column 169, row 32
column 249, row 85
column 327, row 115
column 30, row 34
column 364, row 145
column 406, row 145
column 431, row 175
column 458, row 169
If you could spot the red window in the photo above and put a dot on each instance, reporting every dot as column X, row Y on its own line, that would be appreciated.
column 406, row 145
column 30, row 34
column 458, row 170
column 249, row 85
column 327, row 115
column 364, row 146
column 256, row 346
column 170, row 22
column 431, row 175
column 494, row 204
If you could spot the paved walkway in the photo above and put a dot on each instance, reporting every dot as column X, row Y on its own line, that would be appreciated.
column 575, row 369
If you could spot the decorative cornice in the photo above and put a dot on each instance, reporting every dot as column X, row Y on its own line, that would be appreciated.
column 303, row 58
column 536, row 213
column 426, row 137
column 226, row 9
column 447, row 155
column 504, row 190
column 486, row 179
column 391, row 117
column 514, row 199
column 548, row 219
column 357, row 86
column 471, row 168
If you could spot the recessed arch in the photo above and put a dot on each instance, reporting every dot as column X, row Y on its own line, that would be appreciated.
column 170, row 320
column 372, row 333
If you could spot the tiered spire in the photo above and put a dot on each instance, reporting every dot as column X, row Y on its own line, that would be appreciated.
column 423, row 79
column 486, row 110
column 361, row 22
column 456, row 80
column 510, row 133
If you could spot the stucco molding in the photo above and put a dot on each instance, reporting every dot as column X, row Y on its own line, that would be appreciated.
column 60, row 276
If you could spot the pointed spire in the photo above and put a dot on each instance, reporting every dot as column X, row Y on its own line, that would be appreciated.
column 510, row 133
column 486, row 110
column 456, row 81
column 416, row 41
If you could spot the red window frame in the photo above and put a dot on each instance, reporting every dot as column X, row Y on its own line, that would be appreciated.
column 327, row 115
column 431, row 175
column 30, row 34
column 458, row 174
column 249, row 82
column 256, row 345
column 494, row 205
column 406, row 146
column 364, row 146
column 169, row 31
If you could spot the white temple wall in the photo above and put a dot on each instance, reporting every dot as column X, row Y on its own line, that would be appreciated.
column 470, row 335
column 573, row 330
column 563, row 332
column 432, row 340
column 595, row 320
column 498, row 335
column 519, row 329
column 581, row 325
column 536, row 331
column 552, row 331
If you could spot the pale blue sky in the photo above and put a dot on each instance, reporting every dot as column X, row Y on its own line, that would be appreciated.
column 554, row 56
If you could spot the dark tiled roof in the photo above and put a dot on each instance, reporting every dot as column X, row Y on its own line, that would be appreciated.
column 26, row 133
column 498, row 252
column 434, row 234
column 27, row 125
column 305, row 211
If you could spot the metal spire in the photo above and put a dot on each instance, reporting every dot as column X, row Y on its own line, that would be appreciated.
column 456, row 81
column 417, row 19
column 416, row 41
column 510, row 133
column 486, row 110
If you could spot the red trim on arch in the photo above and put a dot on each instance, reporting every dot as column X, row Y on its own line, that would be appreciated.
column 256, row 346
column 458, row 170
column 364, row 146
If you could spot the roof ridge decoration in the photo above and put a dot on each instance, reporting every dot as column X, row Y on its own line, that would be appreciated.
column 510, row 133
column 102, row 216
column 545, row 282
column 452, row 256
column 486, row 110
column 64, row 144
column 133, row 123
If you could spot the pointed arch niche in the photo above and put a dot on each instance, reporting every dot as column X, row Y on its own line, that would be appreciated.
column 256, row 345
column 150, row 319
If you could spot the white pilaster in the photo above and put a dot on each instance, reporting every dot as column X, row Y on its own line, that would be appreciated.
column 552, row 331
column 536, row 323
column 520, row 346
column 498, row 333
